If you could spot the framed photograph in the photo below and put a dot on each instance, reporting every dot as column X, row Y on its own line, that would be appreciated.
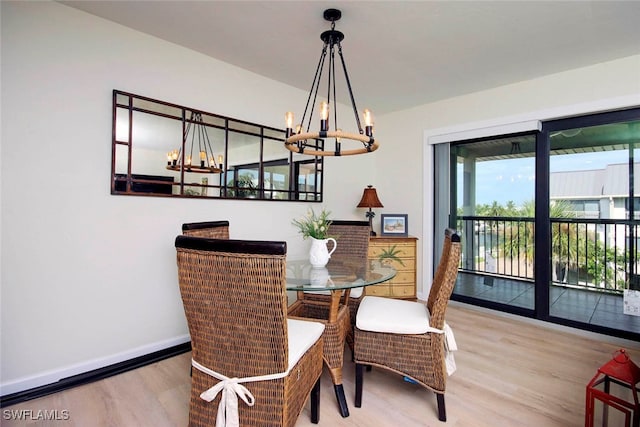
column 394, row 225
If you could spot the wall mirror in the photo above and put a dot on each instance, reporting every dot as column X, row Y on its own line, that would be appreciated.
column 167, row 150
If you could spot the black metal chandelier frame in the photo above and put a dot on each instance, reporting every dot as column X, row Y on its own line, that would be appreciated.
column 298, row 142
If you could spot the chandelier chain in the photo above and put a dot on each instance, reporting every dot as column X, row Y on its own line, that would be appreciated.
column 353, row 100
column 314, row 89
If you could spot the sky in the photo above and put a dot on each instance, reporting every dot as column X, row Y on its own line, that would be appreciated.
column 514, row 179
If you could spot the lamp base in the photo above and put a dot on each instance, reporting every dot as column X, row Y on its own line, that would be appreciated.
column 370, row 215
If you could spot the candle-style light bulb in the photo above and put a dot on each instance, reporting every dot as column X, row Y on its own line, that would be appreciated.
column 288, row 118
column 169, row 158
column 324, row 116
column 368, row 118
column 203, row 157
column 324, row 110
column 188, row 162
column 338, row 143
column 174, row 157
column 368, row 122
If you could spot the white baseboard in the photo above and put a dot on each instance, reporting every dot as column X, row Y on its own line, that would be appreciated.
column 55, row 375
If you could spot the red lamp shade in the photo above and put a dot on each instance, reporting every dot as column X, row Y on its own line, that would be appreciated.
column 370, row 198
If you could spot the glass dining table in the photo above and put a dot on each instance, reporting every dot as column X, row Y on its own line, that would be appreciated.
column 335, row 280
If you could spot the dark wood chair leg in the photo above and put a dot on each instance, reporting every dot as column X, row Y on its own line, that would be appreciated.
column 315, row 403
column 442, row 412
column 342, row 400
column 359, row 385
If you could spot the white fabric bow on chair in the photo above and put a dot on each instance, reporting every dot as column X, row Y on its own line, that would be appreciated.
column 231, row 388
column 228, row 409
column 450, row 346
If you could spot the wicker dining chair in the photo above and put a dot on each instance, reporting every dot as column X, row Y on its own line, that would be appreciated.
column 234, row 298
column 408, row 337
column 352, row 239
column 208, row 229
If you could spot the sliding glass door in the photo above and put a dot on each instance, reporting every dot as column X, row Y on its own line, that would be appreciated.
column 549, row 220
column 594, row 183
column 494, row 194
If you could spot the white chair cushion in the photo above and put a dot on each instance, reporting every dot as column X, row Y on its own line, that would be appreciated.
column 378, row 314
column 356, row 292
column 302, row 335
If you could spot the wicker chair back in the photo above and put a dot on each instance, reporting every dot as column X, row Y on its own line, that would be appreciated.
column 207, row 229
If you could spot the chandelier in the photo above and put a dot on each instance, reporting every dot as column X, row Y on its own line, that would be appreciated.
column 303, row 140
column 196, row 135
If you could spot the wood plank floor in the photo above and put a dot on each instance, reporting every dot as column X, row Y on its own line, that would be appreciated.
column 511, row 372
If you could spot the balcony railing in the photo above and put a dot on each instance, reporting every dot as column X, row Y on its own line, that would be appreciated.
column 597, row 254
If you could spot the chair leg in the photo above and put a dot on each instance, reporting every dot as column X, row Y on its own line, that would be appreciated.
column 342, row 400
column 359, row 378
column 442, row 412
column 315, row 402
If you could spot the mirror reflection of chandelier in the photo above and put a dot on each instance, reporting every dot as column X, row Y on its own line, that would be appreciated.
column 196, row 138
column 302, row 140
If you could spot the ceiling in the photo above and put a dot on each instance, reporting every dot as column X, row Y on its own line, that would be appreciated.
column 399, row 54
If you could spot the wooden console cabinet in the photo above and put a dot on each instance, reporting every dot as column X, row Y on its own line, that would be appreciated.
column 404, row 284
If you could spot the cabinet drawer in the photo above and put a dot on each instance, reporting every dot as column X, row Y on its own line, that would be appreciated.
column 408, row 264
column 402, row 250
column 381, row 290
column 404, row 277
column 403, row 291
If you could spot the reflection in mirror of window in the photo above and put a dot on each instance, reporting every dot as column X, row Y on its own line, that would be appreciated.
column 163, row 149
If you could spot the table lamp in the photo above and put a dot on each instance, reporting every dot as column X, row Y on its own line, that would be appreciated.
column 370, row 200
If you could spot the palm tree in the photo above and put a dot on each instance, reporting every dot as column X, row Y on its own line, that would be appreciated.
column 495, row 209
column 564, row 241
column 511, row 207
column 573, row 246
column 519, row 237
column 519, row 233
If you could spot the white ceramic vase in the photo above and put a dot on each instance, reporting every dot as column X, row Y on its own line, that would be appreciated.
column 319, row 277
column 319, row 253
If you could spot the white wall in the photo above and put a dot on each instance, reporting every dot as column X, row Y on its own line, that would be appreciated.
column 89, row 279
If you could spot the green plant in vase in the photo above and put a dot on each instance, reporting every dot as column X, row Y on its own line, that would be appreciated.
column 314, row 225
